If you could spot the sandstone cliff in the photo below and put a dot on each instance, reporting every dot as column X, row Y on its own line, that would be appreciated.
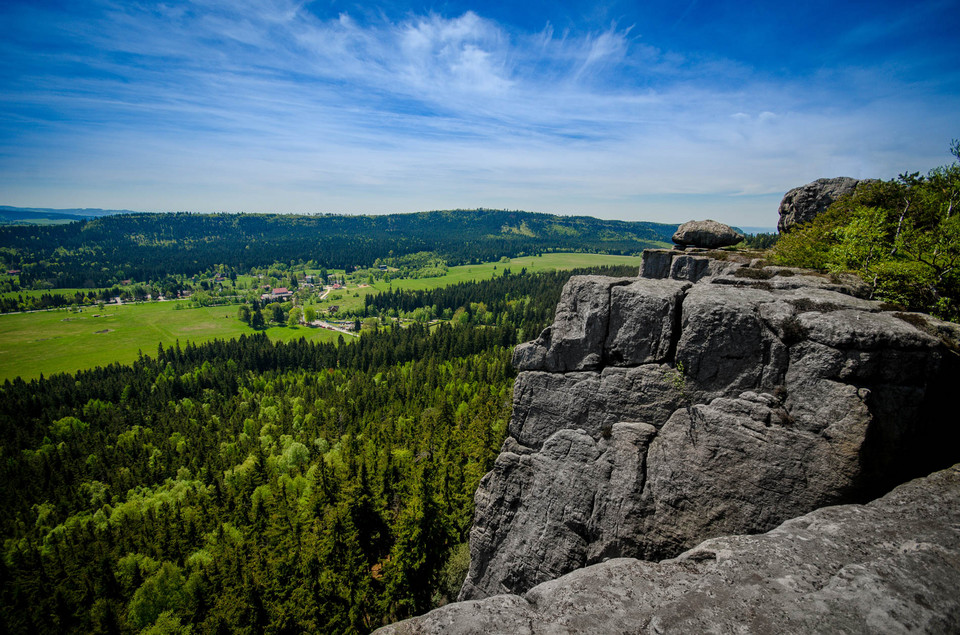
column 892, row 566
column 708, row 397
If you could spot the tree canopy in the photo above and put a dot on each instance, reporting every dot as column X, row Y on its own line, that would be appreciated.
column 253, row 486
column 143, row 247
column 901, row 236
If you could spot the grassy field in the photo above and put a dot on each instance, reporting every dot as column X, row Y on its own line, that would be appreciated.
column 532, row 264
column 60, row 341
column 352, row 297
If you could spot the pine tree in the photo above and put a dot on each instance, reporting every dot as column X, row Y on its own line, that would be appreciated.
column 423, row 541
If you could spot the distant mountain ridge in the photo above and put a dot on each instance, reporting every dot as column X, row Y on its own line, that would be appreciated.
column 10, row 215
column 145, row 246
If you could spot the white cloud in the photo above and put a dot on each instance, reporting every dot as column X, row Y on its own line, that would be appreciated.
column 603, row 50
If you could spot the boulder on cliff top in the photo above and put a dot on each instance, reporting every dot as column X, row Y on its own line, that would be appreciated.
column 708, row 234
column 803, row 204
column 890, row 566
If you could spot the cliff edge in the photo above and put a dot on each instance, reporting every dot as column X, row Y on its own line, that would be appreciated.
column 891, row 566
column 707, row 397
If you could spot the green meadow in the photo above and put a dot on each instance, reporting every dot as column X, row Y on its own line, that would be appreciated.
column 55, row 341
column 351, row 298
column 60, row 341
column 532, row 264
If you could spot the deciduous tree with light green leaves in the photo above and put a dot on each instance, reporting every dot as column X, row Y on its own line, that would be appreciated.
column 901, row 236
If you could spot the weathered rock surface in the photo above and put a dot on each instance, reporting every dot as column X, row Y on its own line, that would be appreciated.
column 575, row 340
column 891, row 566
column 597, row 320
column 692, row 266
column 706, row 233
column 593, row 401
column 803, row 204
column 656, row 413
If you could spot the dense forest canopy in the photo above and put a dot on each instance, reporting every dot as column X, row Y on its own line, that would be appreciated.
column 142, row 247
column 258, row 486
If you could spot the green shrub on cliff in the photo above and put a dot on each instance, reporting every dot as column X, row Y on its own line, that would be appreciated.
column 901, row 236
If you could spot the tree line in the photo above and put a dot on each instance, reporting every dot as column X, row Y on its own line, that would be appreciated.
column 143, row 247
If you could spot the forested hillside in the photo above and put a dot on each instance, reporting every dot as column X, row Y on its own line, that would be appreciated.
column 251, row 486
column 104, row 251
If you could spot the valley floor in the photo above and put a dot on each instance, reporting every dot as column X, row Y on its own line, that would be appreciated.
column 53, row 341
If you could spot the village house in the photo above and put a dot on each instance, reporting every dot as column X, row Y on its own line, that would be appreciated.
column 279, row 293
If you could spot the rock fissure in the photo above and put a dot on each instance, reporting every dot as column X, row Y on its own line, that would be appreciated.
column 676, row 329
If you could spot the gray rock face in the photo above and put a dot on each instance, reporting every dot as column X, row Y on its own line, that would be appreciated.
column 891, row 566
column 576, row 338
column 706, row 233
column 596, row 319
column 656, row 413
column 679, row 265
column 593, row 401
column 803, row 204
column 586, row 479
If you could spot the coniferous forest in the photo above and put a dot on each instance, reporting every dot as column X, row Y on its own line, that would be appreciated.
column 104, row 251
column 258, row 486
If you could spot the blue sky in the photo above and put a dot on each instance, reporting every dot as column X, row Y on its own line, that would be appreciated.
column 660, row 111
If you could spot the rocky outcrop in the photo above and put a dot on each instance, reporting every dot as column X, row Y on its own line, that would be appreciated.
column 803, row 204
column 656, row 413
column 892, row 566
column 691, row 265
column 708, row 234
